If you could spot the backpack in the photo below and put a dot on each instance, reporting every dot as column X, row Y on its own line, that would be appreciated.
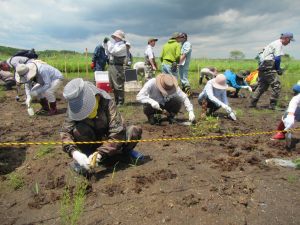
column 30, row 54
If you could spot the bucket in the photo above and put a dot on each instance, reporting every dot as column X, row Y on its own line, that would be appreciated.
column 102, row 80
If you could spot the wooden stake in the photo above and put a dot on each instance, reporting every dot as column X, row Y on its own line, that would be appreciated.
column 66, row 66
column 86, row 63
column 78, row 68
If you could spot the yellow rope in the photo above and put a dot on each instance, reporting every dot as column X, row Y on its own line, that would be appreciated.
column 3, row 144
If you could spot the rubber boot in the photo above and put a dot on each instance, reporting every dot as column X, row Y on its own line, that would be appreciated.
column 280, row 134
column 253, row 103
column 273, row 104
column 45, row 107
column 53, row 109
column 116, row 94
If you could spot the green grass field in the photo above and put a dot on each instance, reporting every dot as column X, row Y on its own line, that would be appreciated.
column 73, row 64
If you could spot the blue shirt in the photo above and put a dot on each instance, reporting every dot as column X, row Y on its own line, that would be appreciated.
column 232, row 80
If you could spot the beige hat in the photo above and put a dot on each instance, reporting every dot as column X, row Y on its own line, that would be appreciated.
column 175, row 35
column 152, row 39
column 119, row 34
column 166, row 84
column 25, row 72
column 219, row 82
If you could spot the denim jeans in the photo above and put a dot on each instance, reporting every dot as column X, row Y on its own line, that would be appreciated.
column 183, row 73
column 166, row 68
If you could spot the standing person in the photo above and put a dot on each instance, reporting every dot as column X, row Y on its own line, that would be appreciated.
column 100, row 57
column 208, row 72
column 184, row 63
column 93, row 116
column 214, row 97
column 150, row 63
column 129, row 57
column 291, row 115
column 117, row 56
column 47, row 78
column 162, row 93
column 236, row 82
column 170, row 55
column 269, row 69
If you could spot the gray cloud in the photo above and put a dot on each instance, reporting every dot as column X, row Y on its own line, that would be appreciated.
column 214, row 27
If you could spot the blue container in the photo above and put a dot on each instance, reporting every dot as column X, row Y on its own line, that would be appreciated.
column 136, row 155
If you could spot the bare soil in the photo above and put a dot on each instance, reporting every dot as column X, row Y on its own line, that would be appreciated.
column 217, row 181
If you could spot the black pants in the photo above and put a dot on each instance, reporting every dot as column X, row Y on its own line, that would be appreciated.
column 172, row 107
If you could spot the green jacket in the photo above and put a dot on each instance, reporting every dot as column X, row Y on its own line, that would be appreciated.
column 171, row 52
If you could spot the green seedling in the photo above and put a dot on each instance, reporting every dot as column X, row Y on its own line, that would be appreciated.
column 292, row 179
column 16, row 181
column 43, row 151
column 114, row 172
column 72, row 206
column 36, row 188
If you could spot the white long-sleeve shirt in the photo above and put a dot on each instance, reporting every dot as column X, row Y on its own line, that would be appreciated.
column 151, row 92
column 16, row 60
column 294, row 104
column 273, row 50
column 117, row 49
column 215, row 95
column 45, row 76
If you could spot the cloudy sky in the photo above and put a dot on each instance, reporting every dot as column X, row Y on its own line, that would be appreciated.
column 215, row 27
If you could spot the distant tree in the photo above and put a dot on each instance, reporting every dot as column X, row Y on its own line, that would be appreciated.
column 236, row 54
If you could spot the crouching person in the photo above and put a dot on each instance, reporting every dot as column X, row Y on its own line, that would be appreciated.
column 162, row 94
column 92, row 116
column 214, row 97
column 8, row 79
column 47, row 80
column 291, row 115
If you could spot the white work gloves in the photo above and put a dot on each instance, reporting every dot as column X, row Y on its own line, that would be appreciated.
column 191, row 116
column 92, row 161
column 154, row 104
column 230, row 112
column 289, row 121
column 28, row 101
column 81, row 159
column 28, row 104
column 247, row 87
column 227, row 108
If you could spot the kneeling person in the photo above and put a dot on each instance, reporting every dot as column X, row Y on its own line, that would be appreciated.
column 162, row 93
column 92, row 116
column 236, row 82
column 214, row 97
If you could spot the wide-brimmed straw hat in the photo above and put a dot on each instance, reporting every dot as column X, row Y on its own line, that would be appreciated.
column 119, row 34
column 219, row 82
column 25, row 72
column 166, row 84
column 80, row 96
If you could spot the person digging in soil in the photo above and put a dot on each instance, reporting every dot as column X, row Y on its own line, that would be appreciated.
column 236, row 82
column 163, row 95
column 292, row 113
column 8, row 79
column 214, row 97
column 47, row 78
column 93, row 116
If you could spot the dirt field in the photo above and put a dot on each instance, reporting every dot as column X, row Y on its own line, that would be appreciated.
column 218, row 181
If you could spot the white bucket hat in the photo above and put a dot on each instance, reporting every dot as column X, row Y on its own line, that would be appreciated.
column 219, row 82
column 80, row 96
column 25, row 72
column 119, row 33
